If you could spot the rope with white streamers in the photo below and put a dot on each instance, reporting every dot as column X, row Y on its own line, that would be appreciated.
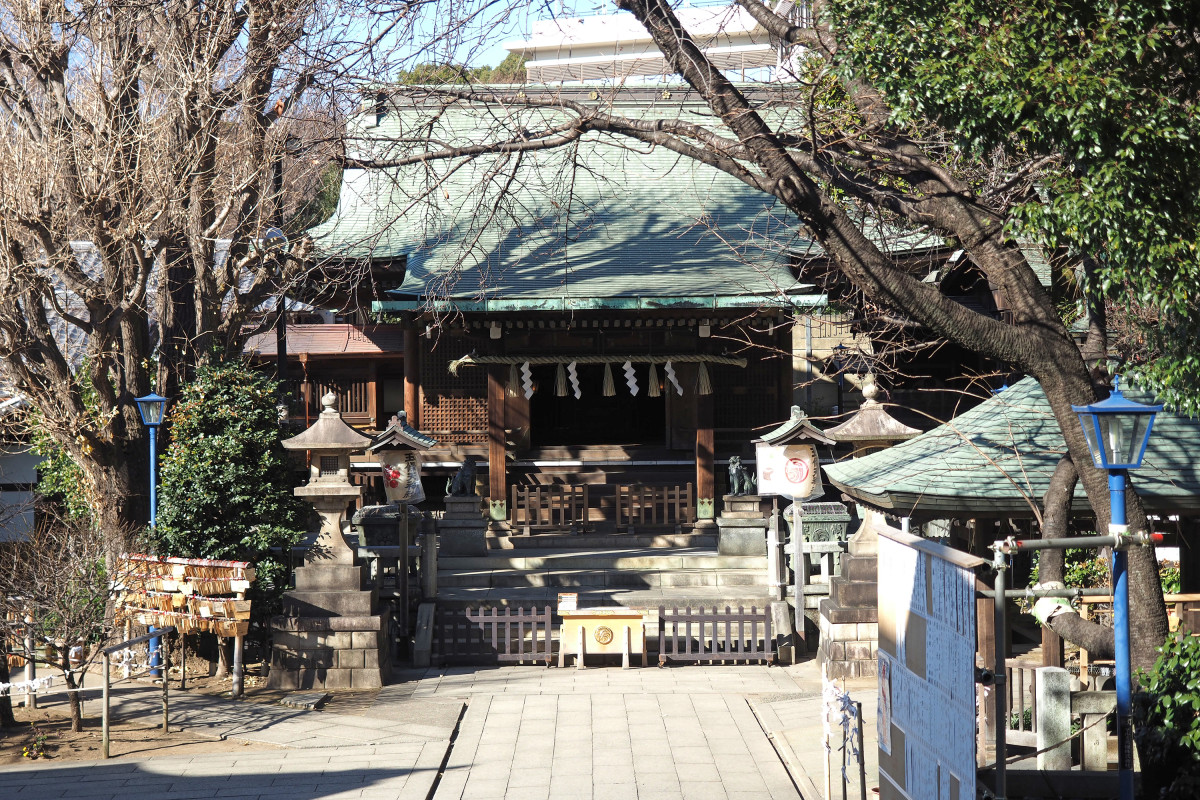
column 631, row 378
column 25, row 686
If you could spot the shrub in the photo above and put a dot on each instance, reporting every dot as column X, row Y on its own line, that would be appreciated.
column 227, row 482
column 1167, row 720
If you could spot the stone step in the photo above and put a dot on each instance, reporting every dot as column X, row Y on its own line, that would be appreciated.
column 631, row 578
column 601, row 541
column 611, row 558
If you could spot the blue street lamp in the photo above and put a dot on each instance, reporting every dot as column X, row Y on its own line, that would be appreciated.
column 152, row 408
column 1117, row 432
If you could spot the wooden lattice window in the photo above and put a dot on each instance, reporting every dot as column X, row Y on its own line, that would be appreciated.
column 453, row 407
column 748, row 397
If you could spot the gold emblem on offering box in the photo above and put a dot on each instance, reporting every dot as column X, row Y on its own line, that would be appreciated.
column 604, row 634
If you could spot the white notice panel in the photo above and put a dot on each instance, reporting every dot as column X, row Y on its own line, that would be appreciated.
column 927, row 670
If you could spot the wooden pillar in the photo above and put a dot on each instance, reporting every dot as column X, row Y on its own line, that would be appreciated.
column 412, row 374
column 373, row 403
column 706, row 487
column 497, row 482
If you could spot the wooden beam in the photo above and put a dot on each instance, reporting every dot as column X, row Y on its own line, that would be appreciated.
column 412, row 374
column 497, row 483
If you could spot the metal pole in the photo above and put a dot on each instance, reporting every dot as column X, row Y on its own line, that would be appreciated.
column 104, row 738
column 1116, row 491
column 155, row 643
column 862, row 756
column 999, row 687
column 800, row 572
column 153, row 476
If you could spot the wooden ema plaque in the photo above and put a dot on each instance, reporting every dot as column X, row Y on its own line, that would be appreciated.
column 186, row 593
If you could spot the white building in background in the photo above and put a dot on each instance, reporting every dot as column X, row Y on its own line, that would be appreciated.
column 615, row 47
column 18, row 474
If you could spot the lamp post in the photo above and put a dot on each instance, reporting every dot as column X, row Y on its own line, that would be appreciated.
column 1117, row 431
column 152, row 407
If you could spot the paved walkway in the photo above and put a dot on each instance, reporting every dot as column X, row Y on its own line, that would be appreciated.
column 711, row 733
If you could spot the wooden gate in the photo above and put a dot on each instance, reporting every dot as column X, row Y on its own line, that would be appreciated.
column 717, row 636
column 492, row 636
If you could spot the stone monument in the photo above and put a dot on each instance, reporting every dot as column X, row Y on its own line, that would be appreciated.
column 331, row 635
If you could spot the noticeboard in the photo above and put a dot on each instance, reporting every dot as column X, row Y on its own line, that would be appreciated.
column 788, row 470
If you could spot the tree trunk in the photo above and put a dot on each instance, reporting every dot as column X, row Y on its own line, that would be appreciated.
column 73, row 702
column 1091, row 636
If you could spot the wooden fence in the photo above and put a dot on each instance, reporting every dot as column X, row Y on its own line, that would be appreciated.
column 493, row 636
column 549, row 507
column 746, row 635
column 641, row 505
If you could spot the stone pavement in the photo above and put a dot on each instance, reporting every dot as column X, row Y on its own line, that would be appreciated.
column 705, row 732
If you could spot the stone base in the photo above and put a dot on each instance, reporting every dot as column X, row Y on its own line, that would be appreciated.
column 741, row 536
column 463, row 530
column 329, row 653
column 849, row 646
column 742, row 541
column 462, row 541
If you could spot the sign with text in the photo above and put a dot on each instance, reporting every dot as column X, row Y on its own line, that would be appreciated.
column 788, row 470
column 926, row 669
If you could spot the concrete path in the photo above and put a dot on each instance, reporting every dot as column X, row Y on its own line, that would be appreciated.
column 394, row 772
column 711, row 733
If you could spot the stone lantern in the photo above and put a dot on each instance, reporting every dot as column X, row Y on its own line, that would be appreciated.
column 850, row 615
column 331, row 635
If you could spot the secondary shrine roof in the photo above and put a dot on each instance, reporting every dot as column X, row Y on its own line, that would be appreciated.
column 997, row 458
column 604, row 218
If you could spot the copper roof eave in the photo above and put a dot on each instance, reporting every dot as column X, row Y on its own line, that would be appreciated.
column 927, row 506
column 683, row 302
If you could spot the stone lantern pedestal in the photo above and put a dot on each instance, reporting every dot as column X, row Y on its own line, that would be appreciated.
column 330, row 635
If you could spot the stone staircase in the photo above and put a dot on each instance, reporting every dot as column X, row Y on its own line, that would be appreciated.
column 636, row 571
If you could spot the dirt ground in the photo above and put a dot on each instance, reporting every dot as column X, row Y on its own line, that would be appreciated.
column 128, row 738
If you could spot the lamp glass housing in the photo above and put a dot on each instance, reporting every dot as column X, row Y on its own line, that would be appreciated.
column 1117, row 430
column 152, row 408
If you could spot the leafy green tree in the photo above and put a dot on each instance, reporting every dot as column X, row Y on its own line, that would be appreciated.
column 1167, row 716
column 1107, row 95
column 226, row 480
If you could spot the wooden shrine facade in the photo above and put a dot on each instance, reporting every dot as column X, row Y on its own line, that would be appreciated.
column 546, row 399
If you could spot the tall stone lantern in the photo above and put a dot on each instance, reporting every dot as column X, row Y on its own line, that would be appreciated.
column 850, row 615
column 330, row 635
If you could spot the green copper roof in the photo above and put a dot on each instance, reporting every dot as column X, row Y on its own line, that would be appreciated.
column 604, row 217
column 1000, row 455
